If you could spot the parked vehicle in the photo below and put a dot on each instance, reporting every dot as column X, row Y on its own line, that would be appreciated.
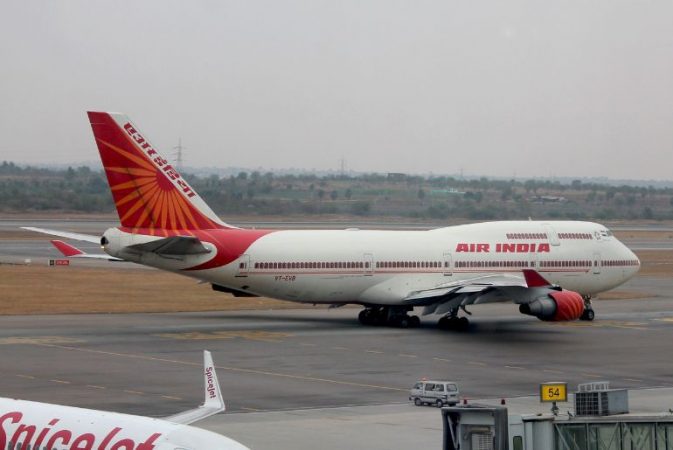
column 437, row 393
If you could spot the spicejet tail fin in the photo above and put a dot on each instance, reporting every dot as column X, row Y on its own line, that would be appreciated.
column 147, row 190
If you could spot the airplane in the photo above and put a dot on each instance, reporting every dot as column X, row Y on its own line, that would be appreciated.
column 26, row 425
column 551, row 269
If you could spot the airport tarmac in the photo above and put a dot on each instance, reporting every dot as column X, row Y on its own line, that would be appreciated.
column 295, row 379
column 305, row 366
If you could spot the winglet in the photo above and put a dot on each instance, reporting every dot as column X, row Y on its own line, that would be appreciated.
column 213, row 395
column 66, row 249
column 534, row 279
column 213, row 402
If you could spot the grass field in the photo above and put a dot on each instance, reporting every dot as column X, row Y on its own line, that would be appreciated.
column 53, row 290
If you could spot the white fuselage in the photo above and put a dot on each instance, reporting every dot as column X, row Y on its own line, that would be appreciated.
column 32, row 425
column 383, row 267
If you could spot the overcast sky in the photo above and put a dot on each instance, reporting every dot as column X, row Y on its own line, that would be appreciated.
column 517, row 87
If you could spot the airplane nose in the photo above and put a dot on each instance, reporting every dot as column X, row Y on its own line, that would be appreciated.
column 633, row 268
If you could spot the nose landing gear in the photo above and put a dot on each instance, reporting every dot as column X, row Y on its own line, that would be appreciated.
column 588, row 313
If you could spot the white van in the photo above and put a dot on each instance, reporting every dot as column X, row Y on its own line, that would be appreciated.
column 438, row 393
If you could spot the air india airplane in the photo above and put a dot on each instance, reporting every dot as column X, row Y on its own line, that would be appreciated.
column 551, row 269
column 26, row 425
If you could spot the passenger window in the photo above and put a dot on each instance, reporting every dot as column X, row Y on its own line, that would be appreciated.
column 418, row 385
column 439, row 388
column 451, row 387
column 429, row 386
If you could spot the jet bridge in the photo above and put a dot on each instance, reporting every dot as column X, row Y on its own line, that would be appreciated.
column 479, row 427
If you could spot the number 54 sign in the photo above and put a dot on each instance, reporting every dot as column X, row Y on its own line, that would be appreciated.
column 553, row 392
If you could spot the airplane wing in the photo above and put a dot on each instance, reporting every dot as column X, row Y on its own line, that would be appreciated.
column 478, row 290
column 70, row 251
column 213, row 403
column 66, row 234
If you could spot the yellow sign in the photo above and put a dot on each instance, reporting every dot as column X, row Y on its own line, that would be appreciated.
column 553, row 392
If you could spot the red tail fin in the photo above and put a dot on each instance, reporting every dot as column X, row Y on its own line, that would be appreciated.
column 148, row 192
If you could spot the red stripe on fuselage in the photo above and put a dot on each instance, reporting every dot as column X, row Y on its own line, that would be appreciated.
column 231, row 244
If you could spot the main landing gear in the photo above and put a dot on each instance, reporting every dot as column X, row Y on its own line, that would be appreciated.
column 393, row 316
column 588, row 313
column 451, row 321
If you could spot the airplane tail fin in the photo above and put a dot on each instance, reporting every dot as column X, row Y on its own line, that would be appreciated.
column 148, row 191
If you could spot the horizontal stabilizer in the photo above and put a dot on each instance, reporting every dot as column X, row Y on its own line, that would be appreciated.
column 66, row 249
column 65, row 234
column 213, row 402
column 173, row 246
column 71, row 251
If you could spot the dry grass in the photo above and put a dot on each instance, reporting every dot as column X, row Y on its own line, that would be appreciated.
column 68, row 289
column 654, row 235
column 655, row 263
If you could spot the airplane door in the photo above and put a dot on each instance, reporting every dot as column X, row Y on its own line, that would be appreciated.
column 597, row 263
column 448, row 265
column 243, row 266
column 368, row 260
column 551, row 235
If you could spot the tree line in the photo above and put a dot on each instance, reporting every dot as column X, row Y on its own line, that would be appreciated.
column 81, row 189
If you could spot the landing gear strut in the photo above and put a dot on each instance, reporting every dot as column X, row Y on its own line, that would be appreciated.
column 588, row 313
column 393, row 316
column 451, row 321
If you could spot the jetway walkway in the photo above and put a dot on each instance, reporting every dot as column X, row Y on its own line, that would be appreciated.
column 478, row 427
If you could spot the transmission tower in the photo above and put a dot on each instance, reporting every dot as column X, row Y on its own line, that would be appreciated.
column 178, row 154
column 342, row 167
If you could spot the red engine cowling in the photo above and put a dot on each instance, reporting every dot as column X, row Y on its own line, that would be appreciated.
column 556, row 306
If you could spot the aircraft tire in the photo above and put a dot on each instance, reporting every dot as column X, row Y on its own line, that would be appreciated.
column 454, row 323
column 588, row 315
column 366, row 317
column 462, row 324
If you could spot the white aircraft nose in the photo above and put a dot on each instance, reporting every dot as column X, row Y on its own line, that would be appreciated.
column 630, row 270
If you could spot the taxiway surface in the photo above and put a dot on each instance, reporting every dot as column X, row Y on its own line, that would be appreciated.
column 319, row 370
column 280, row 364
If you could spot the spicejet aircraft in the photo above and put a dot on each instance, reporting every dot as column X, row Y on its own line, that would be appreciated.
column 550, row 269
column 28, row 425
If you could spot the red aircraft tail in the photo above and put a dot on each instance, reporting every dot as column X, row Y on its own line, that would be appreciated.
column 148, row 192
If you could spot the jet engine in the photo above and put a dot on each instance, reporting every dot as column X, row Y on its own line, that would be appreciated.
column 555, row 306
